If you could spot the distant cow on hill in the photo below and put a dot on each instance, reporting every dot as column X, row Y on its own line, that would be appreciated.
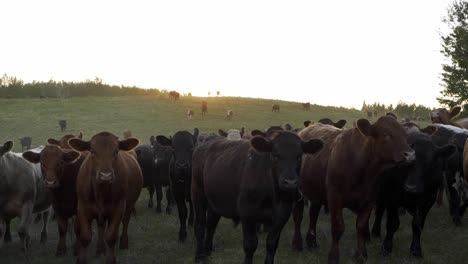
column 25, row 143
column 204, row 107
column 190, row 113
column 443, row 116
column 174, row 95
column 306, row 106
column 127, row 134
column 229, row 114
column 63, row 125
column 275, row 107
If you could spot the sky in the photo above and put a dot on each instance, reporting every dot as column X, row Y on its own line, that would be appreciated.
column 337, row 52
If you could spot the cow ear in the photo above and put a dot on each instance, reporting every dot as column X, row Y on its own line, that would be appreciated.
column 71, row 156
column 6, row 147
column 364, row 127
column 307, row 123
column 128, row 144
column 390, row 114
column 445, row 151
column 261, row 144
column 454, row 112
column 79, row 144
column 32, row 157
column 242, row 132
column 152, row 140
column 340, row 124
column 257, row 132
column 162, row 140
column 53, row 141
column 196, row 132
column 430, row 130
column 312, row 146
column 80, row 136
column 222, row 133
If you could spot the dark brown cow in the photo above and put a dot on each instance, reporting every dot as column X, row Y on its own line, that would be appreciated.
column 59, row 171
column 443, row 116
column 63, row 142
column 465, row 161
column 229, row 114
column 254, row 182
column 313, row 174
column 108, row 185
column 204, row 107
column 358, row 157
column 327, row 121
column 306, row 106
column 275, row 107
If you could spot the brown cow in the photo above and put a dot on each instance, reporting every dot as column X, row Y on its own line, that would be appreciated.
column 275, row 107
column 63, row 142
column 358, row 157
column 465, row 160
column 204, row 108
column 59, row 171
column 313, row 174
column 254, row 182
column 443, row 116
column 109, row 183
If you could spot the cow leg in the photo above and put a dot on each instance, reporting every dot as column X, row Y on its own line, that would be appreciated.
column 62, row 224
column 453, row 197
column 85, row 234
column 200, row 207
column 124, row 235
column 23, row 227
column 393, row 222
column 182, row 208
column 151, row 193
column 311, row 238
column 362, row 228
column 190, row 218
column 337, row 226
column 7, row 237
column 211, row 224
column 281, row 218
column 249, row 230
column 159, row 195
column 417, row 225
column 112, row 232
column 298, row 212
column 38, row 218
column 100, row 246
column 170, row 200
column 76, row 227
column 45, row 225
column 379, row 211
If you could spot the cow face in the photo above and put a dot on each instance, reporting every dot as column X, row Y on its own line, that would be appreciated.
column 53, row 161
column 182, row 144
column 286, row 150
column 327, row 121
column 104, row 148
column 443, row 116
column 161, row 154
column 389, row 140
column 7, row 146
column 428, row 163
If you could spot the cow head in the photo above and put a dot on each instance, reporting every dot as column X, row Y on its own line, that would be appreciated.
column 7, row 146
column 327, row 121
column 388, row 139
column 63, row 142
column 428, row 163
column 162, row 154
column 182, row 144
column 286, row 150
column 443, row 116
column 53, row 161
column 104, row 149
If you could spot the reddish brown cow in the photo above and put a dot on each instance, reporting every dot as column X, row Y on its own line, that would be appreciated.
column 63, row 142
column 59, row 171
column 443, row 116
column 358, row 157
column 313, row 174
column 108, row 185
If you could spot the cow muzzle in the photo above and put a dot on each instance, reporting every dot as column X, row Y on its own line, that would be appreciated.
column 182, row 165
column 51, row 184
column 105, row 176
column 413, row 188
column 289, row 185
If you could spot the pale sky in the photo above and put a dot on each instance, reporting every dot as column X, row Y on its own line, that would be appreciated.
column 326, row 52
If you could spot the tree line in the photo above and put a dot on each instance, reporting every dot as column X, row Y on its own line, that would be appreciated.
column 403, row 110
column 12, row 87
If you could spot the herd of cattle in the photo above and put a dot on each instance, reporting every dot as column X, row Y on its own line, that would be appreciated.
column 257, row 177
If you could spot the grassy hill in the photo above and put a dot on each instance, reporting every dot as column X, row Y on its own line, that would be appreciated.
column 149, row 115
column 153, row 238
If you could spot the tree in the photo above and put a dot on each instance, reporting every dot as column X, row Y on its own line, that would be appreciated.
column 455, row 48
column 217, row 93
column 209, row 93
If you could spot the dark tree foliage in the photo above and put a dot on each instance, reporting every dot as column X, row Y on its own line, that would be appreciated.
column 455, row 49
column 403, row 110
column 12, row 87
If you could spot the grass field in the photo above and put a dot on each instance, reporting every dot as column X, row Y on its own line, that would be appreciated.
column 153, row 237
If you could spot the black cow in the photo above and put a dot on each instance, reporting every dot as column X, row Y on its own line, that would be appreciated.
column 254, row 182
column 182, row 144
column 25, row 143
column 63, row 125
column 162, row 159
column 413, row 187
column 453, row 167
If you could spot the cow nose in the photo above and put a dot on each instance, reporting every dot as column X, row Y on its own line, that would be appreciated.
column 105, row 175
column 410, row 156
column 290, row 184
column 182, row 165
column 412, row 188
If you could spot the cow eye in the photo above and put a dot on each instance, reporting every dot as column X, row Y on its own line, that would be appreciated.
column 386, row 136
